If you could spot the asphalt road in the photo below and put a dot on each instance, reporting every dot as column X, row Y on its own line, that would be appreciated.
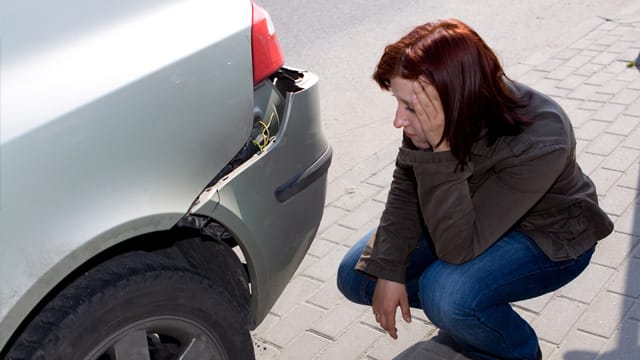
column 341, row 41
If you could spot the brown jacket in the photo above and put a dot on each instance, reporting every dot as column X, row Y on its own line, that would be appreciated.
column 529, row 182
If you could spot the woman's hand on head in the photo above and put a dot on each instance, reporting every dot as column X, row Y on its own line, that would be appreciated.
column 428, row 108
column 387, row 296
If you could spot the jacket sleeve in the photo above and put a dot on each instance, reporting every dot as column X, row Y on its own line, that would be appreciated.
column 463, row 225
column 387, row 252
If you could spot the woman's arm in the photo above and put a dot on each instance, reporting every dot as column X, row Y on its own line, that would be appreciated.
column 387, row 252
column 462, row 225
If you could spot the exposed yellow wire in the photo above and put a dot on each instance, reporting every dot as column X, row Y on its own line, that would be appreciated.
column 266, row 134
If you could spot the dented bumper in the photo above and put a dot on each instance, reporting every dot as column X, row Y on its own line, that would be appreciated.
column 271, row 197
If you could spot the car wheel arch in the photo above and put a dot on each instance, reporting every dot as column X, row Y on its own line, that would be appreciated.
column 162, row 241
column 100, row 296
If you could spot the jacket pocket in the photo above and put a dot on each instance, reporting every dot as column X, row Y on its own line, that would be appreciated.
column 568, row 231
column 563, row 224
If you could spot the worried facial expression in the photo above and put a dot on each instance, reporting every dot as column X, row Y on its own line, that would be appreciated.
column 406, row 118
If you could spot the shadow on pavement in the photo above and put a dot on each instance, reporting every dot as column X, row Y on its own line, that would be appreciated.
column 627, row 343
column 439, row 347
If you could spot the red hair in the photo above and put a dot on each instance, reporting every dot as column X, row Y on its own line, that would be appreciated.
column 468, row 77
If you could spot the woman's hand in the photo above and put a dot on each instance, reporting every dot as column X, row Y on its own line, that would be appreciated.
column 428, row 108
column 387, row 296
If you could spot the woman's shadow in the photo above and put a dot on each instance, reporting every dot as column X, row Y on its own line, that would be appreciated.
column 442, row 347
column 627, row 347
column 439, row 347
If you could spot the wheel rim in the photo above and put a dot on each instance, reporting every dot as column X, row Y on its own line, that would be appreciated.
column 159, row 338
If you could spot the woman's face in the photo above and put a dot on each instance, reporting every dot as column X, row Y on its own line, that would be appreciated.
column 403, row 91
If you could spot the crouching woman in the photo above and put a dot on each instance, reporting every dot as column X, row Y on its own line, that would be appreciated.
column 487, row 205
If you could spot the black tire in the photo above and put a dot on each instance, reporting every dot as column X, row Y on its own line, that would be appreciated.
column 138, row 303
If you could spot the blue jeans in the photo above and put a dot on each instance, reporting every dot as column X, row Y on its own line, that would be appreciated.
column 471, row 301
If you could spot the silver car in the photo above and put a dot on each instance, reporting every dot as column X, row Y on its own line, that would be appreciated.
column 162, row 175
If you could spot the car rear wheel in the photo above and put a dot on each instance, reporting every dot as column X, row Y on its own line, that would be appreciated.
column 138, row 306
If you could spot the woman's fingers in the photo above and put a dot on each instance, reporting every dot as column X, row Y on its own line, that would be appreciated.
column 386, row 317
column 428, row 99
column 387, row 297
column 421, row 101
column 432, row 94
column 388, row 323
column 428, row 109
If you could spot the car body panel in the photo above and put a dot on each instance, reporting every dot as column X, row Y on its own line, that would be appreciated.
column 101, row 143
column 276, row 234
column 116, row 116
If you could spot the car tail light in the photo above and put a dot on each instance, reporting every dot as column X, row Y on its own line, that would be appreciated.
column 267, row 54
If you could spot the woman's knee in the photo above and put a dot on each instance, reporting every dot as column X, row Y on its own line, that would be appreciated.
column 351, row 283
column 346, row 271
column 445, row 299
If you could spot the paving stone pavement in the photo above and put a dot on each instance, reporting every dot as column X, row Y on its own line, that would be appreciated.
column 597, row 316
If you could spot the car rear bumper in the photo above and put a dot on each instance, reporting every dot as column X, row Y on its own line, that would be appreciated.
column 272, row 203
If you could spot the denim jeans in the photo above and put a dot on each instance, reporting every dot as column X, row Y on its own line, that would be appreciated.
column 471, row 301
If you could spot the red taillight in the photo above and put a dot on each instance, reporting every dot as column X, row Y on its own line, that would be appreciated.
column 267, row 55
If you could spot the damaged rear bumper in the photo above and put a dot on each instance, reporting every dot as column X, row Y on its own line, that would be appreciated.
column 271, row 197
